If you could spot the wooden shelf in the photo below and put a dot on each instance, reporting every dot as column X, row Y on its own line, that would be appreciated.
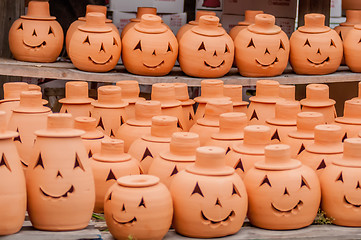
column 66, row 71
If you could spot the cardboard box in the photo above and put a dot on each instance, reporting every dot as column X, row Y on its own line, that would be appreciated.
column 336, row 8
column 335, row 21
column 163, row 6
column 211, row 5
column 229, row 21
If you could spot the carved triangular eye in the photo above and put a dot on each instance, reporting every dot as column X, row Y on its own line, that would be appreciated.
column 266, row 180
column 100, row 124
column 332, row 44
column 87, row 40
column 322, row 165
column 340, row 178
column 142, row 204
column 4, row 162
column 190, row 117
column 340, row 34
column 111, row 133
column 251, row 44
column 197, row 190
column 179, row 125
column 51, row 31
column 302, row 148
column 147, row 153
column 21, row 26
column 304, row 182
column 344, row 137
column 359, row 41
column 281, row 45
column 110, row 196
column 226, row 50
column 170, row 49
column 115, row 42
column 202, row 47
column 39, row 162
column 235, row 191
column 175, row 170
column 239, row 165
column 228, row 150
column 139, row 46
column 307, row 43
column 90, row 154
column 111, row 176
column 254, row 115
column 78, row 162
column 276, row 136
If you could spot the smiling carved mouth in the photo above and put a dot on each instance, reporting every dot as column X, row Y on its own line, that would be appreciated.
column 267, row 65
column 71, row 190
column 124, row 223
column 37, row 46
column 205, row 63
column 349, row 203
column 320, row 63
column 148, row 66
column 292, row 210
column 229, row 217
column 101, row 63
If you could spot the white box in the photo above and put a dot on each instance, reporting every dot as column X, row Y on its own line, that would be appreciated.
column 335, row 21
column 174, row 21
column 209, row 4
column 163, row 6
column 336, row 8
column 120, row 19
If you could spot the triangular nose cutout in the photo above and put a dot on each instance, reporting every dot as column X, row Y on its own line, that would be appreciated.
column 319, row 51
column 215, row 53
column 154, row 53
column 218, row 203
column 59, row 174
column 267, row 52
column 102, row 48
column 286, row 192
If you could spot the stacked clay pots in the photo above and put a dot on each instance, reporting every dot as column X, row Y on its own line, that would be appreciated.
column 140, row 12
column 249, row 18
column 181, row 93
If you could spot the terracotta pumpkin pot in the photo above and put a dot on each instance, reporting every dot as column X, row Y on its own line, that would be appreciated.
column 140, row 12
column 350, row 4
column 37, row 36
column 327, row 147
column 149, row 48
column 244, row 155
column 95, row 46
column 12, row 182
column 138, row 207
column 130, row 94
column 351, row 48
column 282, row 193
column 206, row 50
column 315, row 48
column 59, row 179
column 235, row 92
column 266, row 47
column 351, row 120
column 181, row 154
column 209, row 198
column 181, row 94
column 249, row 18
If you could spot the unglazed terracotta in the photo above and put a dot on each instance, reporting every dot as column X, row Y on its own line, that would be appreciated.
column 37, row 36
column 76, row 101
column 59, row 179
column 266, row 47
column 206, row 50
column 351, row 48
column 315, row 48
column 95, row 46
column 130, row 94
column 181, row 154
column 33, row 87
column 209, row 198
column 140, row 125
column 351, row 120
column 181, row 94
column 109, row 165
column 235, row 93
column 287, row 92
column 282, row 193
column 249, row 18
column 149, row 48
column 209, row 124
column 304, row 134
column 140, row 12
column 351, row 4
column 317, row 100
column 340, row 186
column 138, row 207
column 358, row 95
column 244, row 155
column 146, row 148
column 327, row 147
column 12, row 182
column 109, row 109
column 28, row 117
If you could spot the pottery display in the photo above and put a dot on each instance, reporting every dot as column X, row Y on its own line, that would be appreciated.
column 59, row 179
column 249, row 18
column 181, row 154
column 181, row 94
column 206, row 50
column 138, row 207
column 266, row 47
column 95, row 46
column 209, row 198
column 244, row 155
column 235, row 92
column 149, row 48
column 282, row 193
column 140, row 12
column 315, row 48
column 76, row 101
column 351, row 48
column 109, row 109
column 12, row 182
column 130, row 94
column 317, row 100
column 36, row 36
column 351, row 120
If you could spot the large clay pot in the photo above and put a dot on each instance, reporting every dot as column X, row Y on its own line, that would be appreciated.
column 95, row 46
column 140, row 12
column 315, row 48
column 181, row 94
column 12, row 182
column 181, row 154
column 351, row 120
column 266, row 47
column 350, row 4
column 282, row 193
column 138, row 207
column 109, row 165
column 317, row 100
column 244, row 155
column 352, row 49
column 76, row 99
column 140, row 125
column 149, row 48
column 235, row 93
column 130, row 94
column 28, row 117
column 37, row 36
column 249, row 18
column 109, row 109
column 146, row 148
column 59, row 179
column 209, row 198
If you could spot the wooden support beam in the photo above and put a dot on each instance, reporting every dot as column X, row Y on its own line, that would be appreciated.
column 313, row 6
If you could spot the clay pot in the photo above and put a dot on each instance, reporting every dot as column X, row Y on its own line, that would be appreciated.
column 263, row 105
column 37, row 36
column 76, row 99
column 109, row 109
column 181, row 94
column 315, row 48
column 140, row 12
column 249, row 18
column 244, row 155
column 287, row 92
column 12, row 182
column 209, row 198
column 95, row 46
column 358, row 95
column 351, row 120
column 138, row 207
column 149, row 48
column 304, row 134
column 28, row 117
column 235, row 93
column 109, row 165
column 59, row 179
column 130, row 94
column 140, row 125
column 327, row 147
column 209, row 124
column 317, row 100
column 340, row 184
column 33, row 87
column 282, row 193
column 181, row 154
column 146, row 148
column 350, row 4
column 266, row 47
column 351, row 48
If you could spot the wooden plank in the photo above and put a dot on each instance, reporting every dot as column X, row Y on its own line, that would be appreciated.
column 313, row 6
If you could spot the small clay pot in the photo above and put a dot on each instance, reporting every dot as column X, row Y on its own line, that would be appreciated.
column 235, row 92
column 130, row 94
column 351, row 120
column 140, row 12
column 181, row 94
column 351, row 48
column 33, row 87
column 249, row 19
column 350, row 4
column 287, row 92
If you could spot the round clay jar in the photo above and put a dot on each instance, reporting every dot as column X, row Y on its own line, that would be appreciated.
column 352, row 49
column 140, row 12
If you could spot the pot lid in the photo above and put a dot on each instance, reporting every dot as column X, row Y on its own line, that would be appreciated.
column 31, row 102
column 59, row 125
column 89, row 126
column 285, row 113
column 213, row 110
column 256, row 137
column 353, row 17
column 109, row 96
column 306, row 123
column 95, row 8
column 317, row 95
column 38, row 10
column 328, row 140
column 112, row 150
column 12, row 90
column 138, row 181
column 130, row 90
column 76, row 93
column 4, row 134
column 235, row 93
column 211, row 89
column 201, row 13
column 287, row 92
column 351, row 153
column 165, row 93
column 95, row 23
column 249, row 17
column 144, row 111
column 162, row 129
column 314, row 23
column 267, row 91
column 264, row 24
column 183, row 147
column 181, row 91
column 231, row 126
column 150, row 23
column 145, row 10
column 208, row 25
column 351, row 112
